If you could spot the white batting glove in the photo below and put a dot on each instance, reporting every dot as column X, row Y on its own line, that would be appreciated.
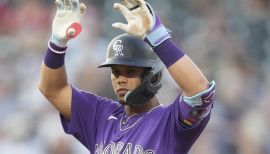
column 139, row 20
column 67, row 21
column 142, row 22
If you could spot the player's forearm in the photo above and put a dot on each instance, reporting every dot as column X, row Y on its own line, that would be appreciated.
column 53, row 73
column 54, row 86
column 186, row 74
column 52, row 80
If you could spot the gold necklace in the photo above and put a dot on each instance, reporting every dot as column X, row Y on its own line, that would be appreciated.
column 126, row 121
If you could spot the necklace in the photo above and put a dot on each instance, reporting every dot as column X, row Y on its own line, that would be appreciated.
column 124, row 122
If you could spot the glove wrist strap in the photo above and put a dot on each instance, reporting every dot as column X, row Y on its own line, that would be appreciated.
column 157, row 35
column 55, row 41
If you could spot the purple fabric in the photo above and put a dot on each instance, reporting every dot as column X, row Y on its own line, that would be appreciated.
column 53, row 60
column 192, row 114
column 95, row 122
column 168, row 52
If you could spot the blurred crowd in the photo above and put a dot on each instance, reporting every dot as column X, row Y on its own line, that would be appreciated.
column 228, row 39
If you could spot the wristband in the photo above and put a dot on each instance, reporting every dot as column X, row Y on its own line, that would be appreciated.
column 56, row 49
column 52, row 58
column 168, row 52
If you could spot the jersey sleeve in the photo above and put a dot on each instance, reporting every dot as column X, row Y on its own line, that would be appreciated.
column 200, row 114
column 195, row 108
column 87, row 112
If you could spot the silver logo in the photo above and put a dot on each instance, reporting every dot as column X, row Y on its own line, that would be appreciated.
column 118, row 48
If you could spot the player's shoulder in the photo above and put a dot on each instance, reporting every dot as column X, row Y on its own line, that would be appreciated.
column 91, row 97
column 160, row 110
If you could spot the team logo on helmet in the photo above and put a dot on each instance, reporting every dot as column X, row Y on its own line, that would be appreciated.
column 118, row 48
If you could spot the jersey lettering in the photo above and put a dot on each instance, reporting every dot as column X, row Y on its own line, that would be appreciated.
column 138, row 149
column 149, row 152
column 116, row 148
column 98, row 148
column 109, row 148
column 119, row 147
column 128, row 149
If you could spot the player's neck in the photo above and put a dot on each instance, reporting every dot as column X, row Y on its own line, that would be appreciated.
column 147, row 106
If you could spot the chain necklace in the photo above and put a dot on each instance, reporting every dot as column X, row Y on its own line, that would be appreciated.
column 124, row 122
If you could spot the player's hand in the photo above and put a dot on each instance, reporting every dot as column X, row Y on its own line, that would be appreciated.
column 139, row 18
column 67, row 21
column 142, row 22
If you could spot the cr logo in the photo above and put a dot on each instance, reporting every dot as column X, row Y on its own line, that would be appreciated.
column 118, row 48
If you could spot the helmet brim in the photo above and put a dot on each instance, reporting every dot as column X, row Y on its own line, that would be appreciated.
column 126, row 61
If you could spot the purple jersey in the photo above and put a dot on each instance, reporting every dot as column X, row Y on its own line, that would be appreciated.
column 102, row 126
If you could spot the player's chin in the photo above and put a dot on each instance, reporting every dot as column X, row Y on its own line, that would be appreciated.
column 121, row 100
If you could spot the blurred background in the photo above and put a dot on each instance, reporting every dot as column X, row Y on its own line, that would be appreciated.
column 228, row 39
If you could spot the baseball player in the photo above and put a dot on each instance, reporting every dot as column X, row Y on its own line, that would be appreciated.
column 137, row 123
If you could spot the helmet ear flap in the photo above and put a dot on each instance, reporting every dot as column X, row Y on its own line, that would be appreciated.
column 150, row 85
column 157, row 78
column 145, row 91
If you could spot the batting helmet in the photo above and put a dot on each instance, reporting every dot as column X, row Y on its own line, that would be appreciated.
column 131, row 51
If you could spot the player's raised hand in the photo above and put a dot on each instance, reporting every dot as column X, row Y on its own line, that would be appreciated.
column 142, row 21
column 67, row 21
column 138, row 16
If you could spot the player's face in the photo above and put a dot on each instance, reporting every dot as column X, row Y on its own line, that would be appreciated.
column 125, row 78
